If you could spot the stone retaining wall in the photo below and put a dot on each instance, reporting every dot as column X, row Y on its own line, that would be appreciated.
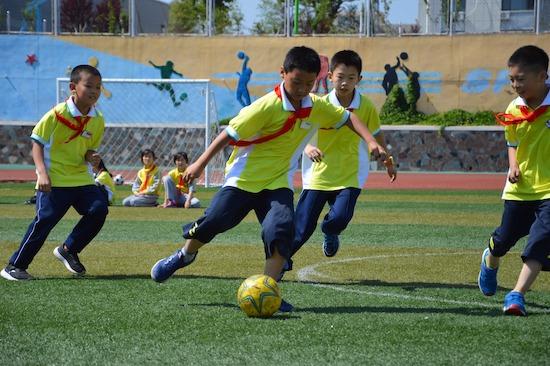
column 415, row 148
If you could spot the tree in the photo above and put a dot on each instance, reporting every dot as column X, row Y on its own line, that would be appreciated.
column 273, row 17
column 108, row 17
column 75, row 15
column 189, row 16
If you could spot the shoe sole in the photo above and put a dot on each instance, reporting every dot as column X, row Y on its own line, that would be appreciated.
column 66, row 264
column 479, row 278
column 514, row 310
column 9, row 277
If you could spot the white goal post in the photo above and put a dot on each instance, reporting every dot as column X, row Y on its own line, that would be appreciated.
column 165, row 115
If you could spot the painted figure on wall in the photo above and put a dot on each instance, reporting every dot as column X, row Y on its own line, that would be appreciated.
column 323, row 75
column 166, row 72
column 413, row 85
column 390, row 78
column 243, row 96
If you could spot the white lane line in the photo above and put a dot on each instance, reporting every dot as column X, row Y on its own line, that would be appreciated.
column 309, row 273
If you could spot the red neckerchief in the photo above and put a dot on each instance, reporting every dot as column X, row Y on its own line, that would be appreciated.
column 291, row 120
column 507, row 119
column 78, row 128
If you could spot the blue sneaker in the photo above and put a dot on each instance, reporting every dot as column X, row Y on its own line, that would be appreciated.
column 164, row 268
column 287, row 267
column 487, row 279
column 285, row 307
column 331, row 245
column 514, row 304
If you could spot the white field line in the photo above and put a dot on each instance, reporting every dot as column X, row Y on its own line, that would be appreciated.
column 309, row 273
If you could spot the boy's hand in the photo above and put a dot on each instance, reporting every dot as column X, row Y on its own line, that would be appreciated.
column 390, row 168
column 313, row 153
column 44, row 183
column 513, row 174
column 377, row 151
column 192, row 172
column 92, row 157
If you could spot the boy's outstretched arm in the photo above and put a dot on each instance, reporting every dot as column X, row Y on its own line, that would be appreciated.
column 195, row 170
column 43, row 179
column 359, row 128
column 513, row 171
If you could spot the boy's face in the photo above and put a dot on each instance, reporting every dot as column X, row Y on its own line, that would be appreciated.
column 181, row 164
column 344, row 79
column 298, row 83
column 87, row 91
column 147, row 159
column 526, row 83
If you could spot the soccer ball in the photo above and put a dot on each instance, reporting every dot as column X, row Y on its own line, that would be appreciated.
column 118, row 180
column 259, row 296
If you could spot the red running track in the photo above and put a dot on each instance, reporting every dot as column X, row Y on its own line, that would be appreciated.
column 377, row 180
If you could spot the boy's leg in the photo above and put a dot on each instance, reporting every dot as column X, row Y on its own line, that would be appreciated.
column 275, row 212
column 308, row 209
column 517, row 218
column 50, row 208
column 92, row 204
column 535, row 258
column 342, row 206
column 228, row 208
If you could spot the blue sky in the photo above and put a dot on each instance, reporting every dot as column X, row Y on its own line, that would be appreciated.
column 402, row 11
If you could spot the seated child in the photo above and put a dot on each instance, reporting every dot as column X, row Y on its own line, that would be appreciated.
column 147, row 184
column 104, row 179
column 178, row 193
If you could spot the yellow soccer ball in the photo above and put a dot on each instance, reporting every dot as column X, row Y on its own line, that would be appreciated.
column 259, row 296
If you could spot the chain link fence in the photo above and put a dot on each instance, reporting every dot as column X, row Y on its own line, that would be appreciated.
column 283, row 18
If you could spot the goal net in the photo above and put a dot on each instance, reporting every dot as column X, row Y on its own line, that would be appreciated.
column 164, row 115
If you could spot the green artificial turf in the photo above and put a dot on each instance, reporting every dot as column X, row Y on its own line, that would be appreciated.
column 402, row 290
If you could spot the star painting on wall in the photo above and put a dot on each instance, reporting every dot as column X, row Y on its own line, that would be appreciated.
column 31, row 59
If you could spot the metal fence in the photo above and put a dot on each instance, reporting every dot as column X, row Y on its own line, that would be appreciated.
column 284, row 18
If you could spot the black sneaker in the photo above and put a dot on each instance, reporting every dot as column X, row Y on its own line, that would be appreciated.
column 70, row 260
column 13, row 273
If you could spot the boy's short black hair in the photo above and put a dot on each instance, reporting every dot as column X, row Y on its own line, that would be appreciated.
column 147, row 151
column 531, row 57
column 78, row 70
column 180, row 155
column 348, row 58
column 302, row 58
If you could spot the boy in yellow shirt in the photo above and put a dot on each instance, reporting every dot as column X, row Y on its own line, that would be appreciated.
column 177, row 192
column 335, row 163
column 64, row 142
column 527, row 191
column 269, row 136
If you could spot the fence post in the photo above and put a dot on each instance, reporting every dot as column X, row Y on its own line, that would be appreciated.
column 8, row 21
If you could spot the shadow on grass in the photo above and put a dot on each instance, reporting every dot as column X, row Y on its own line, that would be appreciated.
column 276, row 316
column 400, row 310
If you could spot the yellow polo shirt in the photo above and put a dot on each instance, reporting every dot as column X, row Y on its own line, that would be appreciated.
column 346, row 156
column 532, row 140
column 64, row 160
column 185, row 188
column 272, row 164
